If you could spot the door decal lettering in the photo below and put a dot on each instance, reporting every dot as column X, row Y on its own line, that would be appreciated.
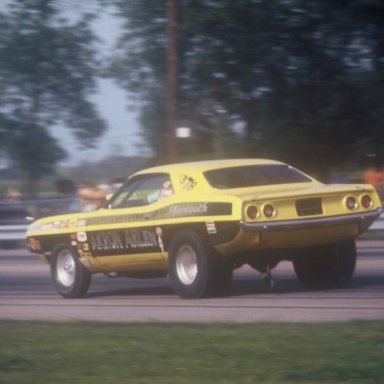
column 123, row 240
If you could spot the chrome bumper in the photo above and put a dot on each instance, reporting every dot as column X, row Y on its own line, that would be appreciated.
column 362, row 219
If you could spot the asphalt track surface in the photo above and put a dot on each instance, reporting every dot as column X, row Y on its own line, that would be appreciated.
column 26, row 293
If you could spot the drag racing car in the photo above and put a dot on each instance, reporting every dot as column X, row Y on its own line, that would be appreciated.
column 197, row 222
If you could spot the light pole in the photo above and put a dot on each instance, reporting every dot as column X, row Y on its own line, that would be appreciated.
column 171, row 85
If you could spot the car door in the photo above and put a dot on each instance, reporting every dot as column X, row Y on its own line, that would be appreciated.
column 122, row 236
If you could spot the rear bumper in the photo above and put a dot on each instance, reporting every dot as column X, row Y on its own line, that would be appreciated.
column 298, row 233
column 362, row 219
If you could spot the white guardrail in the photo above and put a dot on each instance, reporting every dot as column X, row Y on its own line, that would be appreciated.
column 17, row 232
column 378, row 224
column 12, row 232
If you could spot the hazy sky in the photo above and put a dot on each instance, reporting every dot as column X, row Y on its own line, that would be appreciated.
column 122, row 135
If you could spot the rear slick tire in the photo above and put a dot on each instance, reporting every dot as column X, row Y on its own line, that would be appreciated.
column 196, row 269
column 331, row 265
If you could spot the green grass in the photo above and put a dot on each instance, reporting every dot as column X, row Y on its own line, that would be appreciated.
column 193, row 353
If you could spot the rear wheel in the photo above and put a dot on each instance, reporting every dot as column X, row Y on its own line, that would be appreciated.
column 70, row 278
column 196, row 270
column 331, row 265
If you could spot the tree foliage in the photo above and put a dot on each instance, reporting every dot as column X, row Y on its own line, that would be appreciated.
column 304, row 78
column 47, row 69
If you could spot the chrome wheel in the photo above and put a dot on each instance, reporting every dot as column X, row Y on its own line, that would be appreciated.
column 70, row 278
column 66, row 268
column 186, row 265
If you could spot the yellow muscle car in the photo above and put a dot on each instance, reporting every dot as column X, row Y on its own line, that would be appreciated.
column 197, row 222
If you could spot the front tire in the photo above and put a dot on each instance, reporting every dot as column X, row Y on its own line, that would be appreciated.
column 331, row 265
column 70, row 278
column 196, row 269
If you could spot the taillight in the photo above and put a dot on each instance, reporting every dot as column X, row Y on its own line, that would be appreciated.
column 351, row 202
column 269, row 210
column 252, row 212
column 366, row 201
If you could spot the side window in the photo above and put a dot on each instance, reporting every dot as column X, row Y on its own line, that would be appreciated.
column 141, row 191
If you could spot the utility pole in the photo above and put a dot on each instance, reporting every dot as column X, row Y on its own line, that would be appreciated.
column 171, row 85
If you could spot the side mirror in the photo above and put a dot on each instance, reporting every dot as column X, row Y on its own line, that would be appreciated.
column 108, row 197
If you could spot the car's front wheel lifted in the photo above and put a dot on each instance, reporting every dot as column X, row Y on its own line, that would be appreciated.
column 196, row 270
column 331, row 265
column 70, row 278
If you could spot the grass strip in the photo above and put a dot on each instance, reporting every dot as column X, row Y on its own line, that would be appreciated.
column 35, row 352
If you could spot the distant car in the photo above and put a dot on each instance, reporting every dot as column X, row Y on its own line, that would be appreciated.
column 199, row 221
column 13, row 224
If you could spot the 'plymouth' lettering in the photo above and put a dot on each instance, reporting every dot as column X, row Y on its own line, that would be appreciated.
column 188, row 209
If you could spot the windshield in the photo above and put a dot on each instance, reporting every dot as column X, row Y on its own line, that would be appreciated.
column 142, row 190
column 254, row 175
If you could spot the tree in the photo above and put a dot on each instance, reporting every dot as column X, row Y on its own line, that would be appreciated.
column 139, row 63
column 303, row 77
column 47, row 69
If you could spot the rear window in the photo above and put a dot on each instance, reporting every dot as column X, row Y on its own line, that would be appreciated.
column 254, row 175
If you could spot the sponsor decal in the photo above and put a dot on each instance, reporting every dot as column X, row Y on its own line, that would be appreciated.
column 81, row 237
column 116, row 219
column 211, row 227
column 56, row 224
column 81, row 222
column 159, row 233
column 64, row 223
column 34, row 228
column 187, row 182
